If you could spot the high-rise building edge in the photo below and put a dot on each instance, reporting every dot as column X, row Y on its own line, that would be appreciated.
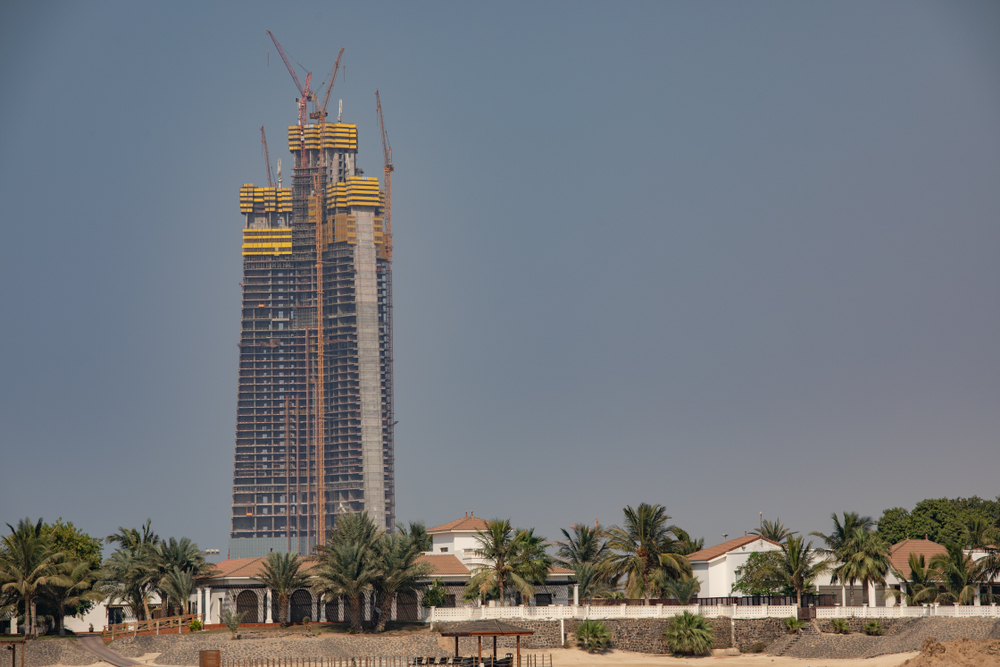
column 314, row 436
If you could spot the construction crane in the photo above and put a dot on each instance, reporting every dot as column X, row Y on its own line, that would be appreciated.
column 320, row 113
column 304, row 95
column 388, row 169
column 267, row 158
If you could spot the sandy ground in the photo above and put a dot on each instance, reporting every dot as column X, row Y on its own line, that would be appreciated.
column 562, row 657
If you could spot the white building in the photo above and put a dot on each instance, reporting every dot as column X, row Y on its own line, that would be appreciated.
column 715, row 567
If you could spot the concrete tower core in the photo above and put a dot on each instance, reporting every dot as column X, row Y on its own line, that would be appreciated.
column 313, row 431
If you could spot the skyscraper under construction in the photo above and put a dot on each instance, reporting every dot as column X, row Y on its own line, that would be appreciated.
column 314, row 428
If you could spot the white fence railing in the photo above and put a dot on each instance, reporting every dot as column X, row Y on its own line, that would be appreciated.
column 555, row 612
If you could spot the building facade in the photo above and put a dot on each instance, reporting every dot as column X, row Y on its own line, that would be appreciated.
column 314, row 434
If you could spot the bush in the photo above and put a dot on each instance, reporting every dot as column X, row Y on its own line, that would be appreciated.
column 794, row 625
column 840, row 626
column 306, row 620
column 757, row 647
column 232, row 621
column 689, row 634
column 436, row 595
column 593, row 636
column 874, row 629
column 195, row 625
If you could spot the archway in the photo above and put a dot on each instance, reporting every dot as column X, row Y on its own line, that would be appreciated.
column 248, row 606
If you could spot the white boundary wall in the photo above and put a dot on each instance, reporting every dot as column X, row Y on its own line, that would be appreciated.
column 433, row 614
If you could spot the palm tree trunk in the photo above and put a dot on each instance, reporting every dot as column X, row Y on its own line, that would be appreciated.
column 503, row 600
column 386, row 608
column 283, row 610
column 356, row 613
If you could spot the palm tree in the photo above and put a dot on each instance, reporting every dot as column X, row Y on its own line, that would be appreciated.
column 797, row 566
column 177, row 587
column 132, row 538
column 979, row 533
column 864, row 557
column 590, row 580
column 505, row 562
column 686, row 545
column 585, row 545
column 688, row 634
column 959, row 574
column 282, row 577
column 920, row 584
column 347, row 562
column 346, row 569
column 683, row 589
column 399, row 571
column 637, row 546
column 27, row 565
column 773, row 530
column 64, row 597
column 128, row 577
column 418, row 533
column 842, row 530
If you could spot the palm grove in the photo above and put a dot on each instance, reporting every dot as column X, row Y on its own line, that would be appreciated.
column 55, row 570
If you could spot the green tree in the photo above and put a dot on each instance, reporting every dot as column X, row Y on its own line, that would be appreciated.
column 176, row 586
column 436, row 595
column 863, row 557
column 347, row 569
column 593, row 636
column 797, row 566
column 979, row 533
column 682, row 589
column 347, row 562
column 689, row 634
column 960, row 576
column 74, row 543
column 774, row 531
column 418, row 533
column 755, row 577
column 584, row 545
column 686, row 545
column 511, row 560
column 591, row 581
column 127, row 577
column 72, row 594
column 282, row 576
column 843, row 529
column 920, row 583
column 398, row 571
column 637, row 545
column 28, row 564
column 894, row 525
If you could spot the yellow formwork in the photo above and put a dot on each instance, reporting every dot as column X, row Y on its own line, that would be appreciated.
column 267, row 241
column 356, row 191
column 337, row 136
column 265, row 200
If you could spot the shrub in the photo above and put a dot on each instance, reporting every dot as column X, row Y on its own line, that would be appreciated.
column 840, row 626
column 306, row 620
column 436, row 595
column 874, row 629
column 757, row 647
column 593, row 636
column 195, row 625
column 688, row 634
column 232, row 621
column 794, row 625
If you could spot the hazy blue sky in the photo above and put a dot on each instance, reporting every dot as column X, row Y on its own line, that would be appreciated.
column 728, row 257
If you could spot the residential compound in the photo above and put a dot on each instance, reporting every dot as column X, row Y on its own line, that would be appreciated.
column 314, row 434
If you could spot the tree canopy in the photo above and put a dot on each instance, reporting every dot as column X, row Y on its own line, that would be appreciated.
column 941, row 520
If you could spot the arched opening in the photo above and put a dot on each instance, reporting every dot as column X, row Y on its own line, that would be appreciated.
column 248, row 607
column 333, row 610
column 301, row 606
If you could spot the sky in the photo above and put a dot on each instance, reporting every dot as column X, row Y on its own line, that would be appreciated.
column 730, row 257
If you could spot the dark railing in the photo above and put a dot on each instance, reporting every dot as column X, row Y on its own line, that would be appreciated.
column 807, row 601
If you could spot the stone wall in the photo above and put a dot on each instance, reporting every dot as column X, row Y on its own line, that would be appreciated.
column 889, row 625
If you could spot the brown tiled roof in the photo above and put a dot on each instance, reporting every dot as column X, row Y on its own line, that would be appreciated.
column 470, row 523
column 244, row 568
column 555, row 569
column 899, row 553
column 443, row 564
column 711, row 553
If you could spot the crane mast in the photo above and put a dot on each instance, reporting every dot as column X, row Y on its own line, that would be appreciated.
column 320, row 113
column 267, row 158
column 388, row 168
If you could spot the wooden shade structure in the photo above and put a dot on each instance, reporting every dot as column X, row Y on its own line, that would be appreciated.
column 491, row 628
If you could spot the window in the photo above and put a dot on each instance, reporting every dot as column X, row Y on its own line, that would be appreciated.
column 444, row 550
